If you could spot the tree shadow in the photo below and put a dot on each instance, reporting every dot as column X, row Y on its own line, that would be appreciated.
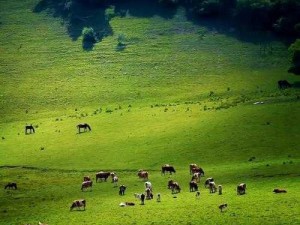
column 77, row 14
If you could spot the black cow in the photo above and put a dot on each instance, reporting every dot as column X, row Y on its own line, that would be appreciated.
column 193, row 186
column 122, row 189
column 102, row 176
column 167, row 168
column 207, row 181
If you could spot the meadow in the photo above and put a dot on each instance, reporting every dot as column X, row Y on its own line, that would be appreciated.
column 180, row 92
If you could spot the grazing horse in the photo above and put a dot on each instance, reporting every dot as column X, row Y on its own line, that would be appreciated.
column 11, row 185
column 283, row 84
column 83, row 126
column 167, row 168
column 86, row 184
column 30, row 128
column 78, row 204
column 241, row 189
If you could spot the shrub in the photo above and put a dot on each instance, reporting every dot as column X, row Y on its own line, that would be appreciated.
column 89, row 35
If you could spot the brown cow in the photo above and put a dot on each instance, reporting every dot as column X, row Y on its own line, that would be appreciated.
column 241, row 189
column 167, row 168
column 78, row 204
column 143, row 174
column 277, row 190
column 86, row 184
column 102, row 176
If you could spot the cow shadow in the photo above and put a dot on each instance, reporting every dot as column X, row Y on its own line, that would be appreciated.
column 78, row 14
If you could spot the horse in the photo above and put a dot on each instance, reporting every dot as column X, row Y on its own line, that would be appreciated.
column 83, row 126
column 30, row 128
column 11, row 185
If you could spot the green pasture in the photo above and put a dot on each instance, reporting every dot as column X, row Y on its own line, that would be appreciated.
column 178, row 93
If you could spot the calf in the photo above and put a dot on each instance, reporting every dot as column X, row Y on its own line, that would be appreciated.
column 276, row 191
column 78, row 204
column 220, row 189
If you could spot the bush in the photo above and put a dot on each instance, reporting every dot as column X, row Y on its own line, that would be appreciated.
column 89, row 35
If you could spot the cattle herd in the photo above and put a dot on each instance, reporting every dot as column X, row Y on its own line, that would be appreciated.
column 196, row 173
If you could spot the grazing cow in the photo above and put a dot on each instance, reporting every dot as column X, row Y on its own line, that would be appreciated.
column 241, row 189
column 102, row 176
column 11, row 185
column 148, row 185
column 30, row 128
column 192, row 166
column 198, row 194
column 277, row 190
column 220, row 189
column 193, row 186
column 86, row 178
column 212, row 187
column 143, row 174
column 86, row 184
column 283, row 84
column 222, row 207
column 158, row 197
column 170, row 184
column 196, row 177
column 78, row 204
column 143, row 198
column 198, row 170
column 149, row 194
column 174, row 187
column 122, row 190
column 207, row 181
column 167, row 168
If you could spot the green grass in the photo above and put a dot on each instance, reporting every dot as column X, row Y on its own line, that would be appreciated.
column 178, row 93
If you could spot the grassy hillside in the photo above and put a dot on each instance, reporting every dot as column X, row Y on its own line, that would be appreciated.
column 178, row 93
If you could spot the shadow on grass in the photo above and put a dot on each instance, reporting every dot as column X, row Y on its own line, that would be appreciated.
column 77, row 14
